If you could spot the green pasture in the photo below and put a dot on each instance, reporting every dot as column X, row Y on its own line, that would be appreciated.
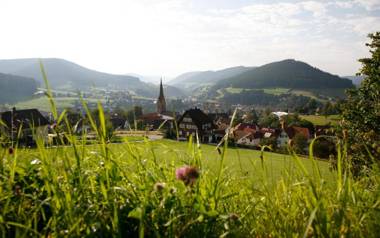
column 322, row 120
column 273, row 91
column 42, row 103
column 130, row 189
column 276, row 91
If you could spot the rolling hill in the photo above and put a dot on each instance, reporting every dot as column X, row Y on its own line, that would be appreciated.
column 197, row 79
column 10, row 90
column 291, row 76
column 286, row 74
column 62, row 73
column 68, row 75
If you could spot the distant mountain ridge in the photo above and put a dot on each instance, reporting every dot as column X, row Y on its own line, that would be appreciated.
column 193, row 80
column 66, row 74
column 288, row 76
column 61, row 72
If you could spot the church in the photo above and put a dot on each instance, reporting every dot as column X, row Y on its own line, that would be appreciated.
column 155, row 119
column 161, row 103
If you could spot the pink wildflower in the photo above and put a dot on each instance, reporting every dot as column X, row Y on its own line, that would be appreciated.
column 188, row 174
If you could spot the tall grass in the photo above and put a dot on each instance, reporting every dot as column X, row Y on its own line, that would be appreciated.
column 130, row 190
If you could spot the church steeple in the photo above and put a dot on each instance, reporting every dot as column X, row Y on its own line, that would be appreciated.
column 161, row 103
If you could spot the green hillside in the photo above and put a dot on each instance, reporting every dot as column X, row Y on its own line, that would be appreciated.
column 197, row 79
column 62, row 72
column 16, row 88
column 286, row 74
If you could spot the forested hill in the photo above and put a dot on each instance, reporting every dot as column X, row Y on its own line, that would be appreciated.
column 16, row 88
column 285, row 74
column 196, row 79
column 64, row 73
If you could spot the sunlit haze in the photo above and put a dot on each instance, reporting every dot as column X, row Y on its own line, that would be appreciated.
column 157, row 37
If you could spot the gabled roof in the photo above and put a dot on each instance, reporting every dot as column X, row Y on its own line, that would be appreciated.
column 199, row 118
column 250, row 135
column 240, row 134
column 293, row 130
column 155, row 116
column 26, row 118
column 242, row 126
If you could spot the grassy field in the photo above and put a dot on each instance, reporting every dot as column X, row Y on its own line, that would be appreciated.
column 239, row 162
column 42, row 103
column 137, row 189
column 274, row 91
column 176, row 189
column 322, row 120
column 305, row 93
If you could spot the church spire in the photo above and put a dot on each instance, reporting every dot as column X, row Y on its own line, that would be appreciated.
column 161, row 103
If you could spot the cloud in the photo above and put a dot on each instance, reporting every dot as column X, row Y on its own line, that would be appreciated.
column 369, row 5
column 319, row 9
column 170, row 37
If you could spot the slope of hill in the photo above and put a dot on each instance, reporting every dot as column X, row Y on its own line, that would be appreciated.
column 193, row 80
column 151, row 90
column 16, row 88
column 286, row 74
column 63, row 73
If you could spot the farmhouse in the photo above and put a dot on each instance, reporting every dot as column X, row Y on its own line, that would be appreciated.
column 251, row 139
column 24, row 125
column 154, row 120
column 195, row 121
column 289, row 133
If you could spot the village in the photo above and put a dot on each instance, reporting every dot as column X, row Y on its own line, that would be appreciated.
column 202, row 125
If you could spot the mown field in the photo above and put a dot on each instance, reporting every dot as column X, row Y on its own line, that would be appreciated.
column 144, row 189
column 322, row 120
column 42, row 103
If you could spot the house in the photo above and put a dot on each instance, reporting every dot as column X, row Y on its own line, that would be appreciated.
column 195, row 121
column 289, row 133
column 218, row 134
column 247, row 127
column 269, row 132
column 251, row 139
column 24, row 125
column 154, row 120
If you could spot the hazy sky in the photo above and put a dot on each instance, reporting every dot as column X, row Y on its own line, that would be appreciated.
column 169, row 37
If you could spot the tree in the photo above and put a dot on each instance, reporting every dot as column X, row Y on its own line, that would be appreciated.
column 299, row 143
column 361, row 112
column 251, row 117
column 324, row 148
column 272, row 142
column 270, row 120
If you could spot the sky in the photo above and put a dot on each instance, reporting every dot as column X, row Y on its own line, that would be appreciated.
column 170, row 37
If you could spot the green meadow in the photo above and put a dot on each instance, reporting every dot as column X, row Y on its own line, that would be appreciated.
column 322, row 120
column 131, row 190
column 42, row 103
